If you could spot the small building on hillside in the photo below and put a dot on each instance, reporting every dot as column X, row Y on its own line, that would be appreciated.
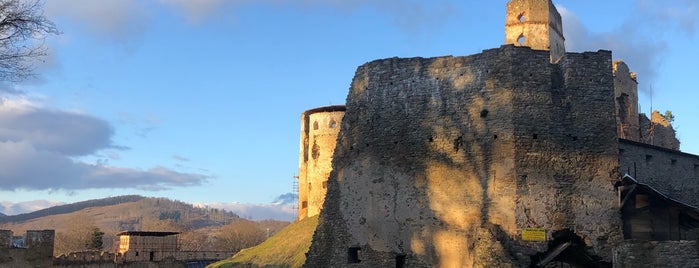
column 145, row 244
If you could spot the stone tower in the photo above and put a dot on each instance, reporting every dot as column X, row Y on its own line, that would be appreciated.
column 536, row 24
column 319, row 130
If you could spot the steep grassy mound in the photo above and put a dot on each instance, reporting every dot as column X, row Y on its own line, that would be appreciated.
column 285, row 249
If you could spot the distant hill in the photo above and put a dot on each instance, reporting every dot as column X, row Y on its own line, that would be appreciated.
column 201, row 228
column 63, row 209
column 22, row 207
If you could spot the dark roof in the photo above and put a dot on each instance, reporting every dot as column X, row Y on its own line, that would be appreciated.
column 691, row 211
column 145, row 233
column 333, row 108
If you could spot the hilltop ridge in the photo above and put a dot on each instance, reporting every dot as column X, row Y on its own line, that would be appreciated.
column 68, row 208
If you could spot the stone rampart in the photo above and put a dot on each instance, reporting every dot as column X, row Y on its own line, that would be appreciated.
column 443, row 161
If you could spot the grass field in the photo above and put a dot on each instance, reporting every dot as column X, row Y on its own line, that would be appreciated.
column 287, row 248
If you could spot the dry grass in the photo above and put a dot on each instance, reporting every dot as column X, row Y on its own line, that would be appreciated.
column 287, row 248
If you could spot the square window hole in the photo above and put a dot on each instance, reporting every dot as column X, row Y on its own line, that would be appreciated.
column 353, row 255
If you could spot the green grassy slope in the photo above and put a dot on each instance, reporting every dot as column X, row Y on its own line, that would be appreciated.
column 287, row 248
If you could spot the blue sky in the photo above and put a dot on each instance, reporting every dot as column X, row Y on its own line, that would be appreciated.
column 200, row 101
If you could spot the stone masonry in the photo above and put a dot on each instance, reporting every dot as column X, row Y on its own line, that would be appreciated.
column 443, row 161
column 536, row 24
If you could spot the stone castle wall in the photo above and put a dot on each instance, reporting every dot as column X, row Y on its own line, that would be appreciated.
column 566, row 150
column 319, row 130
column 671, row 172
column 443, row 161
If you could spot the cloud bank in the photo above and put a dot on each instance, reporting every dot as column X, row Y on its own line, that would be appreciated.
column 38, row 147
column 10, row 208
column 283, row 208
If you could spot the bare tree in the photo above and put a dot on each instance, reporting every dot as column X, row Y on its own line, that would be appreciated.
column 238, row 235
column 77, row 237
column 22, row 24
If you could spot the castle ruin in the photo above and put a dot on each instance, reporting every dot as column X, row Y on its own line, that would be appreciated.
column 519, row 156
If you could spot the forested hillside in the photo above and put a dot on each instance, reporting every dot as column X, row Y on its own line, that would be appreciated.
column 62, row 209
column 201, row 228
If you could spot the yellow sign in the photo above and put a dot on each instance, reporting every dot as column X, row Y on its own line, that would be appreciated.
column 534, row 234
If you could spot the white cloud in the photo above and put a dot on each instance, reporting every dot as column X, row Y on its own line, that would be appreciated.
column 37, row 146
column 196, row 11
column 10, row 208
column 52, row 130
column 640, row 40
column 110, row 19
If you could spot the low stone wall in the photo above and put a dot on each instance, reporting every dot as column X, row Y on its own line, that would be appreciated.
column 657, row 254
column 85, row 257
column 93, row 259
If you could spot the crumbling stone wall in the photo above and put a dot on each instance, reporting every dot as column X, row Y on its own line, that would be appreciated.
column 443, row 161
column 319, row 130
column 671, row 172
column 626, row 100
column 658, row 131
